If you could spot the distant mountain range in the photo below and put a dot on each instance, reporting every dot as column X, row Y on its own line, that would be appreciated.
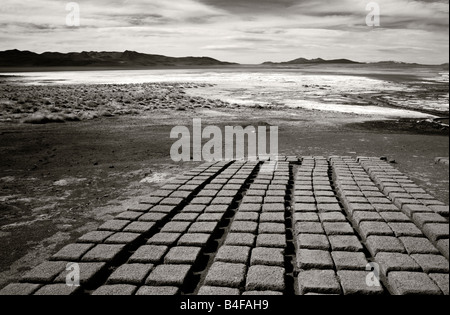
column 17, row 58
column 132, row 59
column 319, row 61
column 302, row 61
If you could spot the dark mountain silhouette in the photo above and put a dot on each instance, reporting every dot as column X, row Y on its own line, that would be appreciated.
column 132, row 59
column 320, row 61
column 304, row 61
column 17, row 58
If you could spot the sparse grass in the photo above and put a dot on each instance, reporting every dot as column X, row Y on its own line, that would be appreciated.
column 61, row 103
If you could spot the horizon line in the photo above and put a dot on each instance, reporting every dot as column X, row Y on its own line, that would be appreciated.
column 232, row 62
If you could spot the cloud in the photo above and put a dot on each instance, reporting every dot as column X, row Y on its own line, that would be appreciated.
column 252, row 6
column 246, row 31
column 229, row 47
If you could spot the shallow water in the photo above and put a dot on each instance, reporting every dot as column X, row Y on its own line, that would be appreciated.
column 388, row 92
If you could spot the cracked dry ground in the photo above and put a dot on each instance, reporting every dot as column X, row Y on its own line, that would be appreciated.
column 296, row 226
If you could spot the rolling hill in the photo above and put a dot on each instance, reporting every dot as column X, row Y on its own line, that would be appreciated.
column 17, row 58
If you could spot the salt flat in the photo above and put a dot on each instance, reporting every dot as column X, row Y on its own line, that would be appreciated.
column 370, row 89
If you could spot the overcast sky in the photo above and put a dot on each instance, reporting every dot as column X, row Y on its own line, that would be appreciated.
column 245, row 31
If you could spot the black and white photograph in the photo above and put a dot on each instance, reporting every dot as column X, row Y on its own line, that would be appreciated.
column 229, row 155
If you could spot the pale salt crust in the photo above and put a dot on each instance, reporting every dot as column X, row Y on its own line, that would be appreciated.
column 293, row 88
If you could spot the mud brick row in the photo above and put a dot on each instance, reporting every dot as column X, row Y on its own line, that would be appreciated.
column 237, row 227
column 400, row 188
column 97, row 251
column 409, row 262
column 429, row 214
column 165, row 264
column 330, row 257
column 282, row 158
column 128, row 276
column 251, row 259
